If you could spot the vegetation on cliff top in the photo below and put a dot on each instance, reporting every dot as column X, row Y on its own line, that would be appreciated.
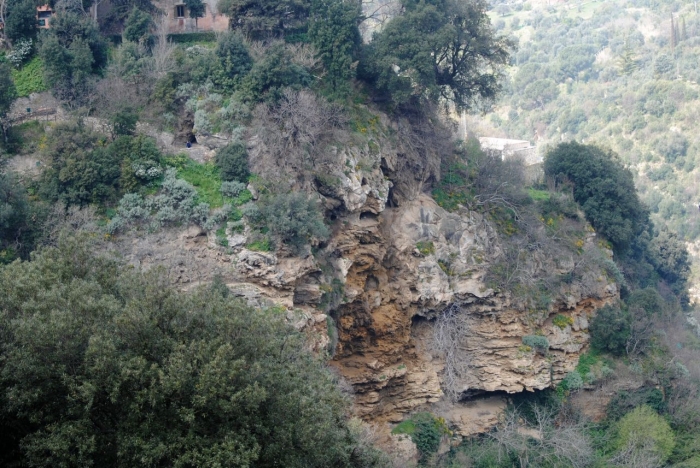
column 146, row 375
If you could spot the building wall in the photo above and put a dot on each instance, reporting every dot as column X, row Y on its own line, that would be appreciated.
column 211, row 21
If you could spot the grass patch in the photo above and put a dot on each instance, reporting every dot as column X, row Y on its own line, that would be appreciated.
column 260, row 245
column 204, row 177
column 586, row 361
column 538, row 195
column 407, row 427
column 30, row 78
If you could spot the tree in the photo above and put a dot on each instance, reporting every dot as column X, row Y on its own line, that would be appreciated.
column 643, row 430
column 438, row 49
column 232, row 160
column 610, row 329
column 143, row 375
column 196, row 8
column 333, row 31
column 603, row 187
column 627, row 62
column 14, row 211
column 137, row 25
column 20, row 22
column 540, row 92
column 266, row 17
column 80, row 170
column 8, row 94
column 573, row 60
column 234, row 57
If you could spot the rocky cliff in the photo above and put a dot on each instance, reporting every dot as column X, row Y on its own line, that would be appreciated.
column 397, row 270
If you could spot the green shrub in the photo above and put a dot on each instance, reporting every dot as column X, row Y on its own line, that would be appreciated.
column 425, row 247
column 572, row 381
column 538, row 342
column 192, row 38
column 425, row 431
column 260, row 245
column 562, row 321
column 293, row 217
column 644, row 429
column 610, row 329
column 232, row 160
column 603, row 187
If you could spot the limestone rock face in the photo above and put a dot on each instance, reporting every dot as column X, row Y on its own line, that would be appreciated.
column 393, row 266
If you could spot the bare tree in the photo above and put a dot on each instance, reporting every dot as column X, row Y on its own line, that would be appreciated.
column 297, row 129
column 638, row 453
column 449, row 339
column 161, row 61
column 641, row 331
column 543, row 440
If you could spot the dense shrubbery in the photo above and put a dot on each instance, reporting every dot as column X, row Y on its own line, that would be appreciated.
column 294, row 218
column 145, row 375
column 610, row 329
column 232, row 160
column 604, row 189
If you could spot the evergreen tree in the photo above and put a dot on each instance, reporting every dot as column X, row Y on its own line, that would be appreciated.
column 627, row 62
column 102, row 366
column 333, row 30
column 438, row 49
column 196, row 9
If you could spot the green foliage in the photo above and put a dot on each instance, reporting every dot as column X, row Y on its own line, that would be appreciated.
column 425, row 430
column 196, row 8
column 234, row 57
column 80, row 170
column 625, row 401
column 425, row 247
column 610, row 329
column 293, row 217
column 573, row 381
column 232, row 160
column 8, row 92
column 562, row 321
column 20, row 20
column 72, row 50
column 443, row 49
column 537, row 342
column 124, row 122
column 29, row 78
column 333, row 31
column 206, row 179
column 14, row 212
column 407, row 427
column 137, row 25
column 260, row 245
column 179, row 379
column 603, row 187
column 271, row 74
column 263, row 18
column 642, row 427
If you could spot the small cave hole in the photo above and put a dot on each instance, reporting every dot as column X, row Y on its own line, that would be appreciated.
column 368, row 215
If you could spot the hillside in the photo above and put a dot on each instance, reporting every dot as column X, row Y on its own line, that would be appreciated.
column 621, row 74
column 267, row 247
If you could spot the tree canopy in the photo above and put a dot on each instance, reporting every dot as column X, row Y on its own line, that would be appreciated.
column 104, row 366
column 439, row 49
column 603, row 187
